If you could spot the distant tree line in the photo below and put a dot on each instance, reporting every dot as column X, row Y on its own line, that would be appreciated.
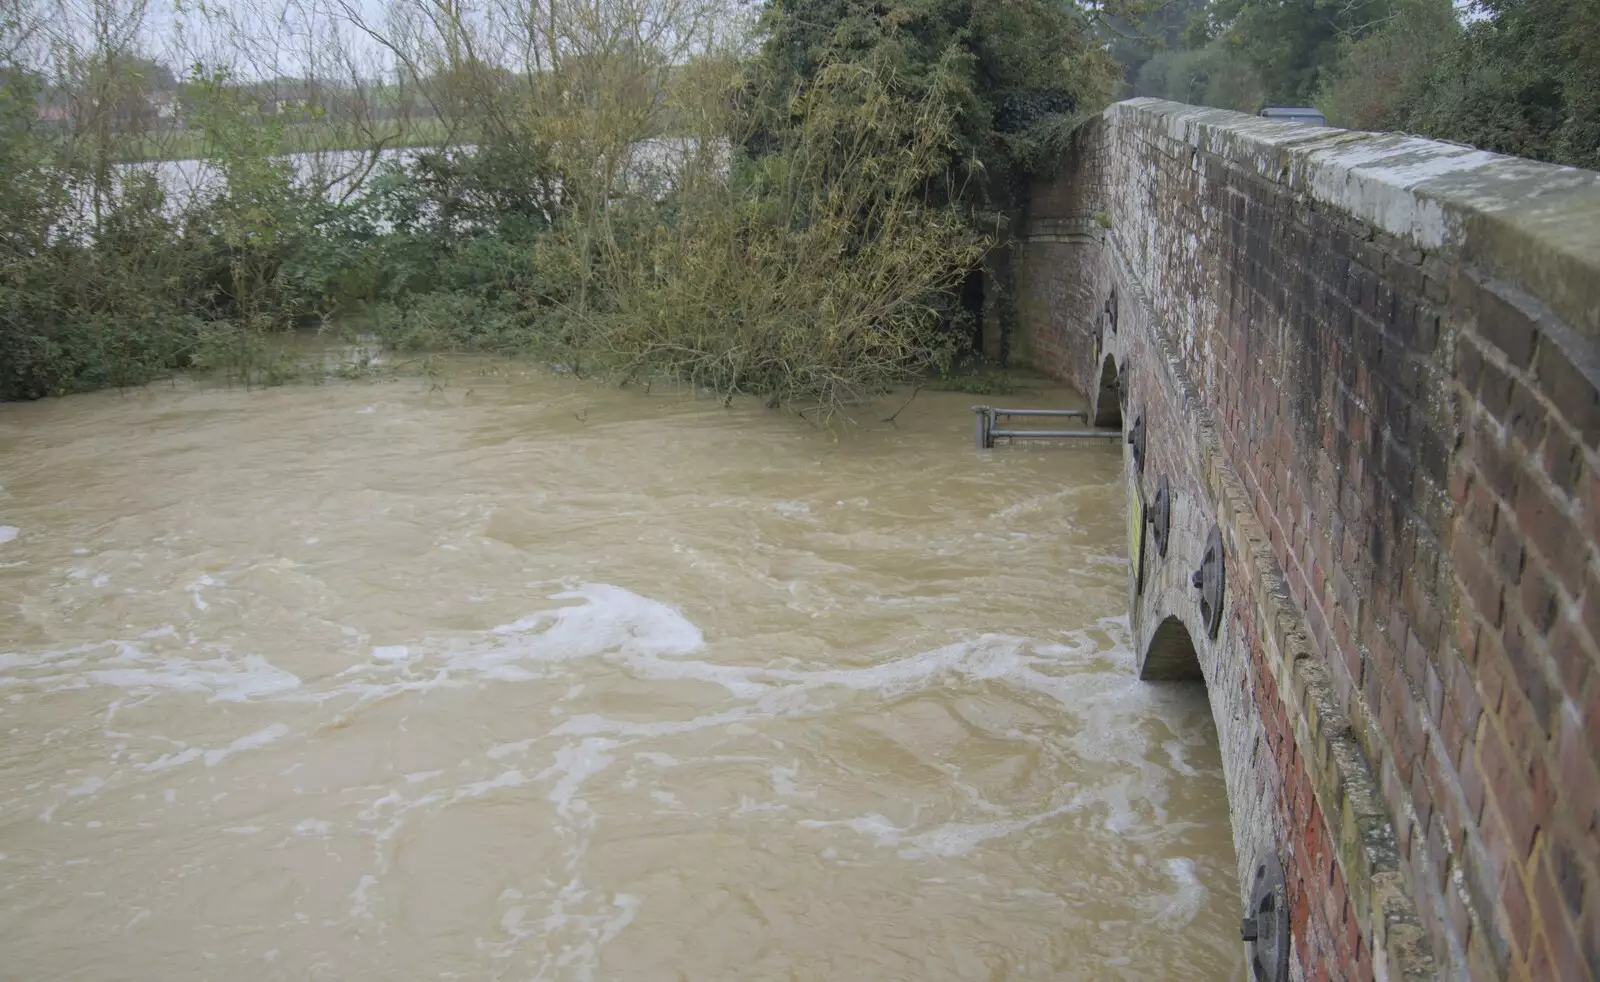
column 1513, row 76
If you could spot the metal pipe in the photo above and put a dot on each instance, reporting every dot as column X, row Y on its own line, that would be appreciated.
column 1070, row 413
column 981, row 414
column 1015, row 434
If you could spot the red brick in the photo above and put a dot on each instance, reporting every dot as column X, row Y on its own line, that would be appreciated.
column 1464, row 694
column 1432, row 686
column 1494, row 391
column 1494, row 671
column 1562, row 459
column 1467, row 637
column 1505, row 548
column 1578, row 772
column 1461, row 485
column 1513, row 799
column 1539, row 966
column 1506, row 327
column 1548, row 527
column 1515, row 913
column 1558, row 932
column 1499, row 468
column 1472, row 785
column 1481, row 511
column 1438, row 854
column 1574, row 395
column 1452, row 731
column 1575, row 660
column 1571, row 874
column 1460, row 916
column 1478, row 579
column 1539, row 599
column 1591, row 606
column 1524, row 732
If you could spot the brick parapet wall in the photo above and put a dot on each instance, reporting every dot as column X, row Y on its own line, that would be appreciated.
column 1060, row 282
column 1298, row 782
column 1395, row 345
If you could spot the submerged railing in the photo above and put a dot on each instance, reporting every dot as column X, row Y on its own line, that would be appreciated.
column 988, row 416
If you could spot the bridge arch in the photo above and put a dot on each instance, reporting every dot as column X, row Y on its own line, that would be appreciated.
column 1108, row 399
column 1171, row 654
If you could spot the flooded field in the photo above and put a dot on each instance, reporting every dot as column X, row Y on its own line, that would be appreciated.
column 512, row 676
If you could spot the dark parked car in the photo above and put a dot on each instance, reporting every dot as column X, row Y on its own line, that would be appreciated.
column 1291, row 114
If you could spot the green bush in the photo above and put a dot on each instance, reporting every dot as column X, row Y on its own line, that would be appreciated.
column 1382, row 79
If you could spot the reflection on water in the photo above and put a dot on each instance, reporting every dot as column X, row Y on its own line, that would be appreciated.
column 519, row 677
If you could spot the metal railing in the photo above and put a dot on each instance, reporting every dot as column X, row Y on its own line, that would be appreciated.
column 988, row 416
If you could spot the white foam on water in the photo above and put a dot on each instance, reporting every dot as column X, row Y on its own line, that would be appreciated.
column 783, row 780
column 129, row 665
column 1115, row 562
column 946, row 840
column 1053, row 503
column 959, row 838
column 390, row 652
column 651, row 638
column 253, row 741
column 168, row 761
column 477, row 789
column 195, row 588
column 500, row 751
column 1183, row 905
column 573, row 766
column 359, row 902
column 609, row 619
column 872, row 825
column 312, row 826
column 8, row 532
column 1178, row 758
column 580, row 958
column 89, row 786
column 251, row 677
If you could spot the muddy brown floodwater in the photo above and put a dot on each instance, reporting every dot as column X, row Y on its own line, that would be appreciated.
column 520, row 677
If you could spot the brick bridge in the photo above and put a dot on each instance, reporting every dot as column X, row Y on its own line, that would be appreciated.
column 1369, row 363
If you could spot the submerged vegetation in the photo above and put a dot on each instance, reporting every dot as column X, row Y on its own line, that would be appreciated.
column 786, row 204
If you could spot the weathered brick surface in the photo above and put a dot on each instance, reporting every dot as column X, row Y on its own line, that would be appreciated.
column 1352, row 355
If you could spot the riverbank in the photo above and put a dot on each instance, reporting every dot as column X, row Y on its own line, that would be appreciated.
column 305, row 137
